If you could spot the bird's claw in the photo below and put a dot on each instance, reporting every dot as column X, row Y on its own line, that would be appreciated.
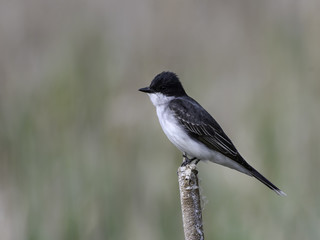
column 187, row 161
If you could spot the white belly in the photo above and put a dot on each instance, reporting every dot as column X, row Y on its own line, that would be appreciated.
column 179, row 137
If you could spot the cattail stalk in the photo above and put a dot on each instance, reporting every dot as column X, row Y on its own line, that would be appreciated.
column 190, row 202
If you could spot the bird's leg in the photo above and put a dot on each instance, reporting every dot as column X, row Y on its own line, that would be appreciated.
column 187, row 160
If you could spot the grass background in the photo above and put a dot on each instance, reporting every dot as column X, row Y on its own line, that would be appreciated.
column 82, row 155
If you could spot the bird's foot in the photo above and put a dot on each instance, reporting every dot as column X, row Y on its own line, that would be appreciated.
column 187, row 161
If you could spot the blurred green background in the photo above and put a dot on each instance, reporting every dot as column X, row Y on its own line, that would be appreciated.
column 82, row 155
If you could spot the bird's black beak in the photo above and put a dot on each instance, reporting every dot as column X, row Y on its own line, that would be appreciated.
column 146, row 90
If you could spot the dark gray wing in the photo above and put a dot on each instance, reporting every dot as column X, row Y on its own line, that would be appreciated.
column 202, row 126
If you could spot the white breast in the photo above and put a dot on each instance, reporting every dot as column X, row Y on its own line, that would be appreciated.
column 175, row 133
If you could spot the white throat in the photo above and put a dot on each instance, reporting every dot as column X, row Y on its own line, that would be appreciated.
column 158, row 99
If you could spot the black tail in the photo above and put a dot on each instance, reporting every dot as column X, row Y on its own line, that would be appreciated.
column 265, row 181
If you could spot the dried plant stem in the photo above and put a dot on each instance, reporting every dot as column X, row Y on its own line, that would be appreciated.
column 190, row 202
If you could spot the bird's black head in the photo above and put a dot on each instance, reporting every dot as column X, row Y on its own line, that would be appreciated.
column 166, row 83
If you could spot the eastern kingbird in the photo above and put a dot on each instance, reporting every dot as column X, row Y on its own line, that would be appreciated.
column 193, row 130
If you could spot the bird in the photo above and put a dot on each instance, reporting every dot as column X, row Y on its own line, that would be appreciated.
column 193, row 130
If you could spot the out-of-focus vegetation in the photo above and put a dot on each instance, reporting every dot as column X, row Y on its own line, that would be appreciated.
column 82, row 155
